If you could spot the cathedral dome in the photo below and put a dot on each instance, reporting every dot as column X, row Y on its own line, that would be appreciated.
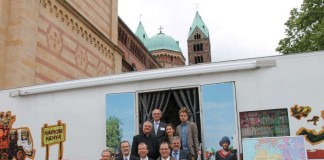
column 162, row 41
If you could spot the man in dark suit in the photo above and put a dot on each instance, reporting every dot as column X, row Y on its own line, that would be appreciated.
column 176, row 153
column 142, row 151
column 158, row 130
column 124, row 147
column 148, row 139
column 165, row 151
column 189, row 133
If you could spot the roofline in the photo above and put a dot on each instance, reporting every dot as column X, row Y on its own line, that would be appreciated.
column 140, row 41
column 171, row 51
column 219, row 67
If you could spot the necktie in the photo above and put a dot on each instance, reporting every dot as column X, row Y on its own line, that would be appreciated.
column 156, row 126
column 126, row 158
column 175, row 155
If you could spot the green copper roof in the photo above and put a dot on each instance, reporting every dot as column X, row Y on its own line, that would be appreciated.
column 162, row 41
column 198, row 22
column 141, row 34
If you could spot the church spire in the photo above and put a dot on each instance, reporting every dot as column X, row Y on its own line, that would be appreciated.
column 198, row 42
column 141, row 34
column 198, row 23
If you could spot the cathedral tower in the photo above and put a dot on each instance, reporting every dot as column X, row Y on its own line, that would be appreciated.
column 198, row 42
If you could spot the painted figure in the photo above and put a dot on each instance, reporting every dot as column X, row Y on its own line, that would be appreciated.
column 225, row 153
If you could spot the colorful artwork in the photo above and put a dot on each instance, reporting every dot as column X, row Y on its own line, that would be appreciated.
column 300, row 111
column 274, row 148
column 15, row 143
column 311, row 128
column 120, row 119
column 219, row 117
column 54, row 134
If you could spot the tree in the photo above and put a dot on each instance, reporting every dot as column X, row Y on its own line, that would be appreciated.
column 305, row 29
column 113, row 132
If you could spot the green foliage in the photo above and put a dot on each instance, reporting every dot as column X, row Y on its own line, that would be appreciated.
column 305, row 29
column 113, row 132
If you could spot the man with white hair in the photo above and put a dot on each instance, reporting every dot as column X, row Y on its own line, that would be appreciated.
column 148, row 139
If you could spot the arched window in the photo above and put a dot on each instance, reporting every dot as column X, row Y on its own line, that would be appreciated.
column 197, row 36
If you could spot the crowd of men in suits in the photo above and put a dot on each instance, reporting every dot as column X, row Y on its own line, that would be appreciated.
column 153, row 144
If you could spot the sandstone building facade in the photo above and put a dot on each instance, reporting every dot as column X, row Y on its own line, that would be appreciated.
column 44, row 41
column 136, row 57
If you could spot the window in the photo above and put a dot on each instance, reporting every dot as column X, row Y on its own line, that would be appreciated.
column 266, row 123
column 197, row 36
column 198, row 47
column 199, row 59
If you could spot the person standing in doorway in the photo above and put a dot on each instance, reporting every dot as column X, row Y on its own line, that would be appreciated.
column 189, row 133
column 148, row 139
column 158, row 126
column 170, row 132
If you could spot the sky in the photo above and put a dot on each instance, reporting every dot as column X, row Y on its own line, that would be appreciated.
column 238, row 29
column 125, row 102
column 218, row 105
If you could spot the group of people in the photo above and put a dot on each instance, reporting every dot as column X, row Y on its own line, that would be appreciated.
column 161, row 141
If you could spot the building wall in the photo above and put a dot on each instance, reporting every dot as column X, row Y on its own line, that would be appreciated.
column 20, row 23
column 168, row 59
column 49, row 41
column 101, row 13
column 4, row 9
column 134, row 52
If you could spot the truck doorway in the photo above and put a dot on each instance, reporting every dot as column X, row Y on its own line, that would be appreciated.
column 169, row 102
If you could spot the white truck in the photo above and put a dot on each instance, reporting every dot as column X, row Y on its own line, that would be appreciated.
column 258, row 97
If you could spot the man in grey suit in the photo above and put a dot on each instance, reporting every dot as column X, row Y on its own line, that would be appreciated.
column 189, row 133
column 176, row 153
column 158, row 130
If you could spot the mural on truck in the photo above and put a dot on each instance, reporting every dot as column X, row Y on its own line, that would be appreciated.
column 15, row 143
column 120, row 119
column 219, row 121
column 311, row 126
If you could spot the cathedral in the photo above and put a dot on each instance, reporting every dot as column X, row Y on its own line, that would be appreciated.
column 166, row 50
column 46, row 41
